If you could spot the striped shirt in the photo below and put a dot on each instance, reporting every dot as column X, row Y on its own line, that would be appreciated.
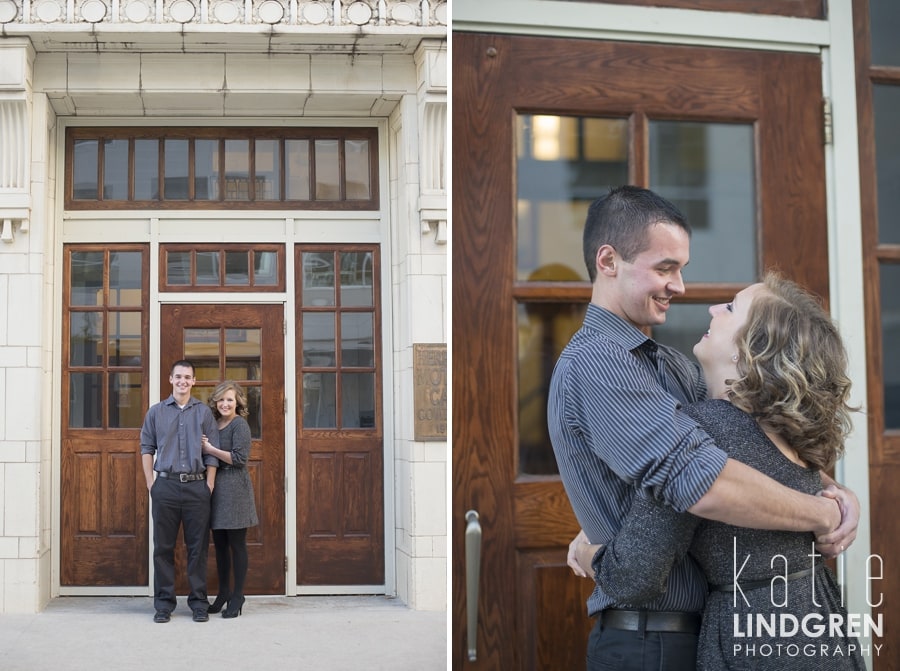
column 616, row 430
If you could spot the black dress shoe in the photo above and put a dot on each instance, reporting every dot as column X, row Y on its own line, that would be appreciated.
column 162, row 616
column 220, row 602
column 201, row 616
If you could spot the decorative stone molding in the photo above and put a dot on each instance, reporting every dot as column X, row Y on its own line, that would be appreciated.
column 15, row 136
column 431, row 64
column 400, row 14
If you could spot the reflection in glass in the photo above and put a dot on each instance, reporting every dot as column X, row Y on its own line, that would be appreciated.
column 884, row 23
column 207, row 267
column 115, row 169
column 254, row 406
column 125, row 279
column 318, row 339
column 357, row 400
column 178, row 268
column 124, row 338
column 890, row 342
column 268, row 170
column 563, row 164
column 886, row 102
column 85, row 400
column 237, row 169
column 243, row 354
column 318, row 278
column 86, row 271
column 265, row 268
column 319, row 401
column 707, row 171
column 357, row 339
column 86, row 338
column 296, row 166
column 357, row 160
column 146, row 169
column 237, row 268
column 328, row 176
column 126, row 408
column 544, row 330
column 84, row 170
column 357, row 279
column 176, row 169
column 685, row 325
column 206, row 169
column 201, row 347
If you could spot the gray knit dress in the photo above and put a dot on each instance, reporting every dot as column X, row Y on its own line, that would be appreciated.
column 233, row 505
column 634, row 566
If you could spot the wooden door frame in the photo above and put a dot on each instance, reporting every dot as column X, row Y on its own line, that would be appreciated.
column 483, row 200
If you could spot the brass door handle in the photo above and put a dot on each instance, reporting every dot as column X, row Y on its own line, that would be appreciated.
column 473, row 572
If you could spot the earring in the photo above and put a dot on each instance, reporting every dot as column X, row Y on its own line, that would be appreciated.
column 734, row 357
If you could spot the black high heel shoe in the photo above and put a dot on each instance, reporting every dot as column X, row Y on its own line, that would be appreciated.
column 235, row 606
column 219, row 603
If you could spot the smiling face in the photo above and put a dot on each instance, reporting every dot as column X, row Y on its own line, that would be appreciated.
column 227, row 404
column 182, row 380
column 717, row 347
column 649, row 281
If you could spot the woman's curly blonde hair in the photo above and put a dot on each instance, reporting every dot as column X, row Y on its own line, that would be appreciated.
column 792, row 369
column 240, row 398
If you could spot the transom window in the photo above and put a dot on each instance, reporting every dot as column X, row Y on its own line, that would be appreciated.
column 212, row 168
column 211, row 267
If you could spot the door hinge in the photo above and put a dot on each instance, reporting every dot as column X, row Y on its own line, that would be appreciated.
column 285, row 564
column 284, row 326
column 828, row 119
column 285, row 405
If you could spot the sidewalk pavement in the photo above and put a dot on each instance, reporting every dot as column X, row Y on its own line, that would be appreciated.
column 307, row 632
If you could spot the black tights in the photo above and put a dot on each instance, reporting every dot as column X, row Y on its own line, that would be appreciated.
column 231, row 548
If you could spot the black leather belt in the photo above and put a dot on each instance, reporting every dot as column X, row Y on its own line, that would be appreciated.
column 756, row 584
column 650, row 620
column 183, row 477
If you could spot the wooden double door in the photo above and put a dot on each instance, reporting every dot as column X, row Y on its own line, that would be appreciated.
column 526, row 610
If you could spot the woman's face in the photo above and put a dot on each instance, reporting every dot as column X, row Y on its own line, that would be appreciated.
column 717, row 345
column 227, row 404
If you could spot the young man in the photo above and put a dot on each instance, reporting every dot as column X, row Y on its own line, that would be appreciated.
column 185, row 477
column 615, row 425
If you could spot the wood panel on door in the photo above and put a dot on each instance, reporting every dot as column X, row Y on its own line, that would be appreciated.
column 531, row 610
column 181, row 323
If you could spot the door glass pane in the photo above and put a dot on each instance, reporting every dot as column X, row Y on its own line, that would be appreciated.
column 544, row 330
column 707, row 171
column 296, row 167
column 265, row 268
column 201, row 348
column 86, row 338
column 237, row 268
column 563, row 164
column 125, row 406
column 124, row 338
column 357, row 279
column 86, row 272
column 85, row 400
column 358, row 400
column 176, row 169
column 84, row 170
column 243, row 354
column 328, row 177
column 125, row 278
column 268, row 170
column 685, row 325
column 318, row 339
column 178, row 268
column 357, row 160
column 318, row 278
column 207, row 267
column 357, row 339
column 254, row 406
column 206, row 169
column 319, row 401
column 237, row 169
column 115, row 169
column 886, row 100
column 890, row 342
column 884, row 22
column 146, row 169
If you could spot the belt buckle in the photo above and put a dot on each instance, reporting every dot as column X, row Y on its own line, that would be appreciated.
column 183, row 477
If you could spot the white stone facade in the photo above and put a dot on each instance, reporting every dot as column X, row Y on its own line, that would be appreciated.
column 207, row 62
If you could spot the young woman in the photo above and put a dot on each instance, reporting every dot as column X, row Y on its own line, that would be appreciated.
column 233, row 507
column 775, row 367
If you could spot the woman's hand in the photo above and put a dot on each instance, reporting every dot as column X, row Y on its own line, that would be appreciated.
column 206, row 446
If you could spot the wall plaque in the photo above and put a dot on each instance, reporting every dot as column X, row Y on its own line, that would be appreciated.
column 430, row 383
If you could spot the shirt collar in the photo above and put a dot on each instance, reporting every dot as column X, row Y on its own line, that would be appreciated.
column 615, row 328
